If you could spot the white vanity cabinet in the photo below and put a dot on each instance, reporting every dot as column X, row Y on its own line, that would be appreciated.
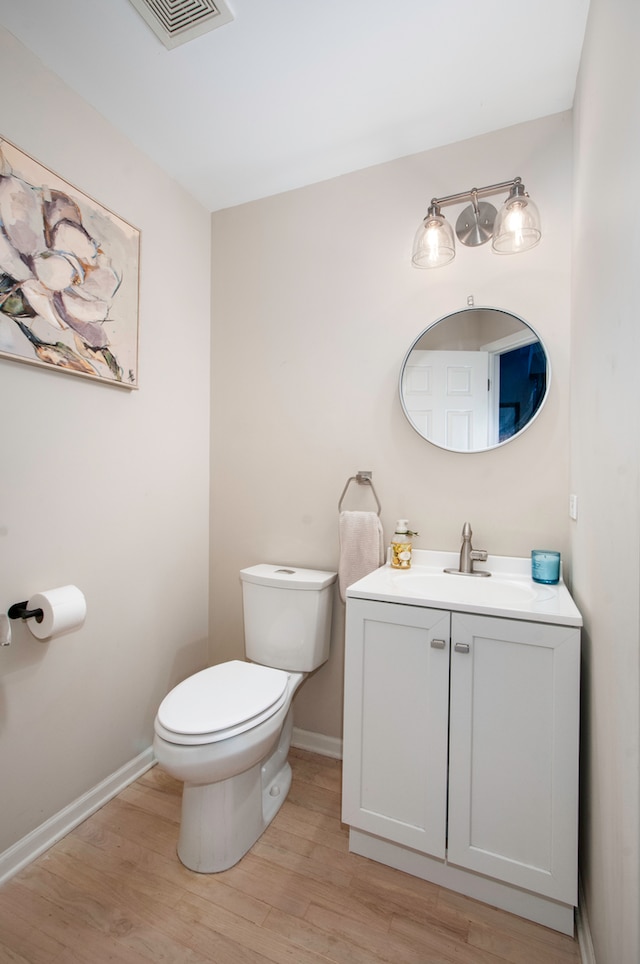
column 513, row 752
column 396, row 723
column 460, row 754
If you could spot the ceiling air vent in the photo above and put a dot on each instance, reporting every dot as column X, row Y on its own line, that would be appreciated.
column 177, row 21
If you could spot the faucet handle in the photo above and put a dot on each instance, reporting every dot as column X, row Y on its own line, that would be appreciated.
column 478, row 555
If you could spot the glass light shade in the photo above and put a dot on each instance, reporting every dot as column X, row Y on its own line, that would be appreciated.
column 517, row 226
column 434, row 243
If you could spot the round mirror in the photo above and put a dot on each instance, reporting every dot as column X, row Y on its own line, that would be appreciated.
column 474, row 379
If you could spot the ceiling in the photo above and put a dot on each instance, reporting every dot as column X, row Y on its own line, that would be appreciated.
column 296, row 91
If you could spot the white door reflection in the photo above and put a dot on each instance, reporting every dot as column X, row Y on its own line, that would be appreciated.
column 445, row 394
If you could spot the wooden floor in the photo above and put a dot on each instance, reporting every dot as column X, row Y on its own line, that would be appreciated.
column 114, row 890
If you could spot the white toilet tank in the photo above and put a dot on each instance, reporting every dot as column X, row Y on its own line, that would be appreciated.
column 287, row 616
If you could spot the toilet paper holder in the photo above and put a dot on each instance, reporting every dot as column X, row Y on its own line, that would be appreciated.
column 53, row 612
column 19, row 610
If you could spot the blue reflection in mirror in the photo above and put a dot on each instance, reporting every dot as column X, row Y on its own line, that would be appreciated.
column 523, row 382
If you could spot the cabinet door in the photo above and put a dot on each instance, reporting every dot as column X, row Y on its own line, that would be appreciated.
column 513, row 767
column 395, row 723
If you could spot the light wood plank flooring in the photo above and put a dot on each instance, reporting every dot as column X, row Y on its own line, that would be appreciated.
column 114, row 890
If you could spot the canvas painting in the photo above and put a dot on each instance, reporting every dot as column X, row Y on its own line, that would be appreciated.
column 68, row 276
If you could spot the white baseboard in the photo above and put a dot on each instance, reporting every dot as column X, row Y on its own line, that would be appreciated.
column 587, row 953
column 317, row 743
column 56, row 827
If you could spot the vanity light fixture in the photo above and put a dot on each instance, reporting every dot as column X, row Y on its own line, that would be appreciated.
column 516, row 228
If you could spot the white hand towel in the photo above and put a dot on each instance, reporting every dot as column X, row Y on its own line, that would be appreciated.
column 361, row 547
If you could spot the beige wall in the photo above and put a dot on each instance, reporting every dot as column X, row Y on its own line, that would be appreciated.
column 102, row 487
column 606, row 471
column 315, row 303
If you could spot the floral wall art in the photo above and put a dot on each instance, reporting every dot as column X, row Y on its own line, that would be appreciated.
column 68, row 276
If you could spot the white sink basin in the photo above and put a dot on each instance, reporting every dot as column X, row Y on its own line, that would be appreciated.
column 508, row 591
column 482, row 590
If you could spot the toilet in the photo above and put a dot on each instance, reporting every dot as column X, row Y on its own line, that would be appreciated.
column 226, row 731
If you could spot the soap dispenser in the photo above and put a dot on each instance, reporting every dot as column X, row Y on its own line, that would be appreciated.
column 401, row 547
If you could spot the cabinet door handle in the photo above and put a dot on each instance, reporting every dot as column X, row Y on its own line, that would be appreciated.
column 461, row 647
column 438, row 643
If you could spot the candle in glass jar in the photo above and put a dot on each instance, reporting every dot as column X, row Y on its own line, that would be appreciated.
column 545, row 566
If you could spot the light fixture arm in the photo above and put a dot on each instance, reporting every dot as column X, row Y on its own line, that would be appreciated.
column 514, row 185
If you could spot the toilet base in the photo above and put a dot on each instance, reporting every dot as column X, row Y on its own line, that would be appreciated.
column 221, row 821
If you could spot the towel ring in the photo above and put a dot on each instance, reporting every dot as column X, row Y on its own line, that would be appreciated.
column 362, row 478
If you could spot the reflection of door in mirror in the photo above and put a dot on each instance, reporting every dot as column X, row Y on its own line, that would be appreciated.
column 445, row 393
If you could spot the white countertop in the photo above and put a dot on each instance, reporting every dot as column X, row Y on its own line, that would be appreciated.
column 509, row 591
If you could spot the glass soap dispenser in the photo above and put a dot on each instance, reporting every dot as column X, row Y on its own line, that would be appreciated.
column 401, row 546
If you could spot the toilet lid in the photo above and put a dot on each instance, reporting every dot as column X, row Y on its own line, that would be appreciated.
column 222, row 697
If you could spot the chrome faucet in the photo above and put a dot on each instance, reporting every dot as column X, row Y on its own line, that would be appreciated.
column 469, row 555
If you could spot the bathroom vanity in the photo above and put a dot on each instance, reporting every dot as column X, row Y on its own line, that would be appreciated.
column 461, row 731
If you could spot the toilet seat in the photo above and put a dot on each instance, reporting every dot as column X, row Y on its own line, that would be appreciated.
column 221, row 701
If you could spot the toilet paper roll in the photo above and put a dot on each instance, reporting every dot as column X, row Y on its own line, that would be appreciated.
column 63, row 609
